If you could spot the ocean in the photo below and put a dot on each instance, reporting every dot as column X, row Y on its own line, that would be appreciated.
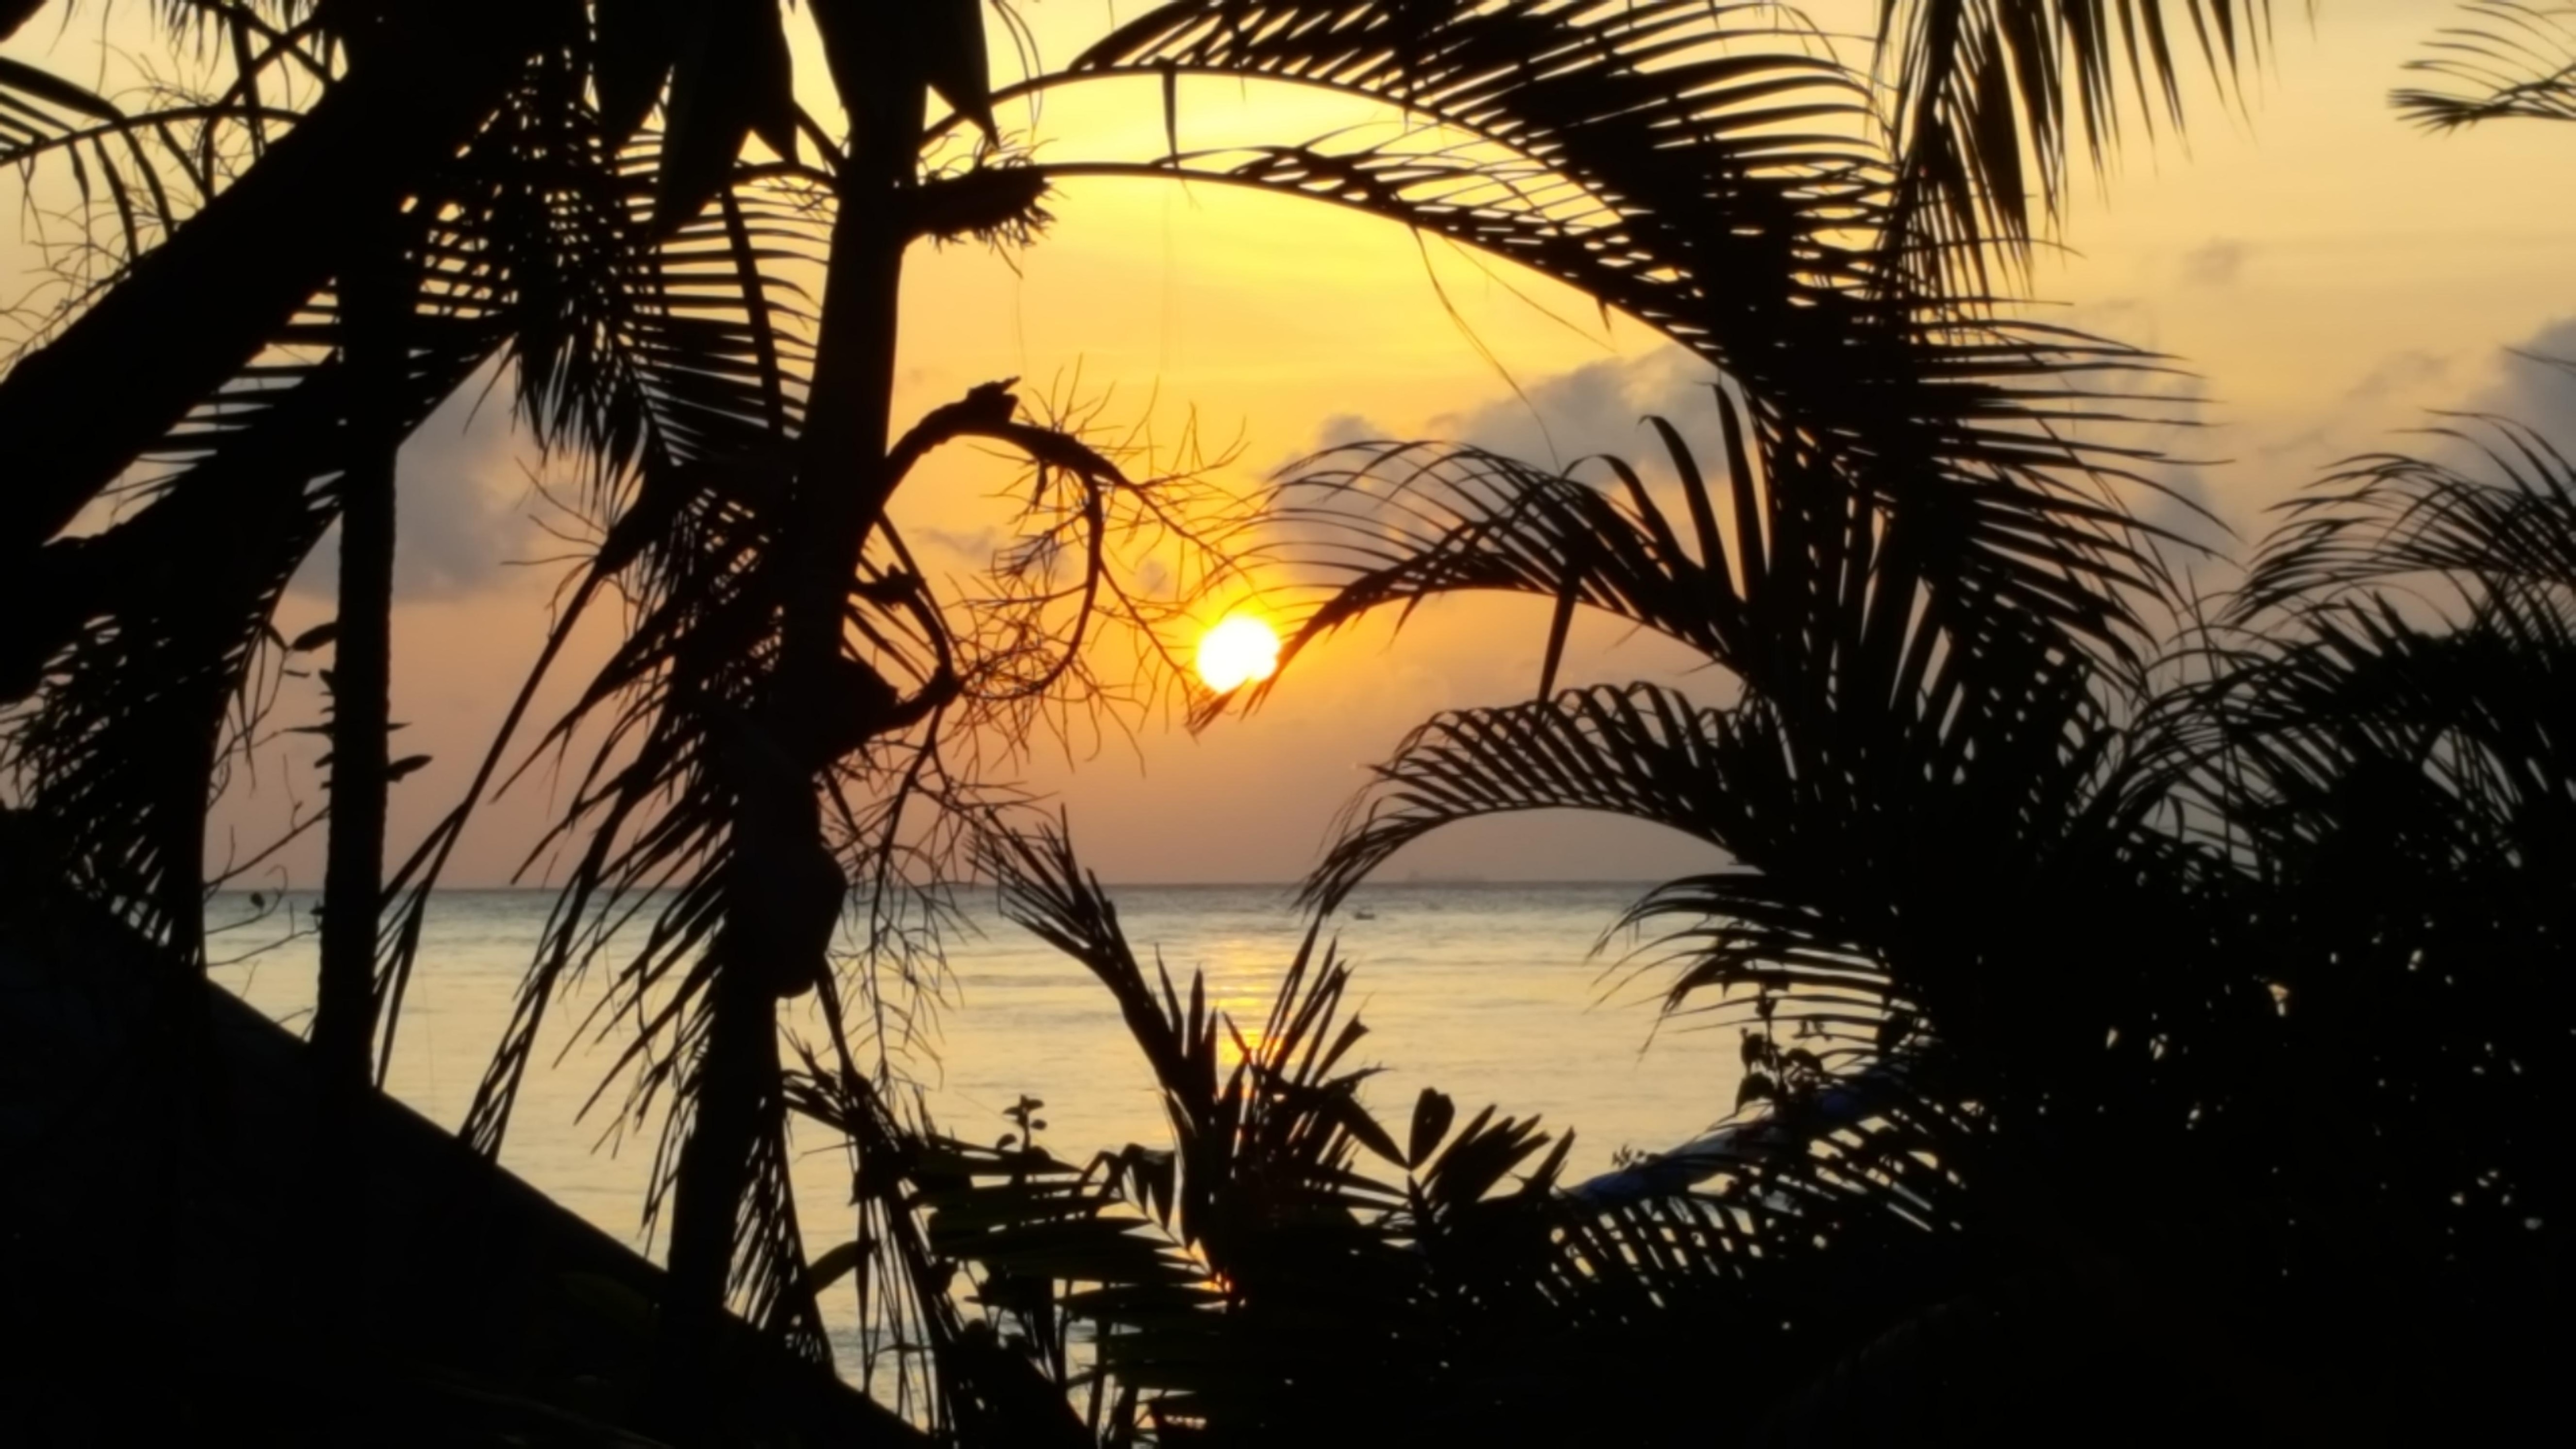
column 1490, row 992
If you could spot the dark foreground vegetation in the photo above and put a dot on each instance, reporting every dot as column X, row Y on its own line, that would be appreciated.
column 2154, row 1005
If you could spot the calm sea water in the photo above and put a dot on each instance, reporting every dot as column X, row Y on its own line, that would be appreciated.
column 1489, row 992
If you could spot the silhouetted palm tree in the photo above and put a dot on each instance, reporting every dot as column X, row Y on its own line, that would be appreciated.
column 2388, row 741
column 2186, row 974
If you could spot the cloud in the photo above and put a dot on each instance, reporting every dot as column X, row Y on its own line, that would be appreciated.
column 2177, row 497
column 2536, row 385
column 1553, row 422
column 2372, row 413
column 466, row 480
column 2397, row 406
column 975, row 550
column 2216, row 263
column 462, row 516
column 1343, row 429
column 1599, row 407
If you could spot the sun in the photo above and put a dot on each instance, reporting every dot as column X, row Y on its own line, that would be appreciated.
column 1238, row 651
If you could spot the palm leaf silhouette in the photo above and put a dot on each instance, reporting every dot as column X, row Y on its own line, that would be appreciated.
column 260, row 250
column 1980, row 88
column 2510, row 60
column 1441, row 1286
column 1663, row 157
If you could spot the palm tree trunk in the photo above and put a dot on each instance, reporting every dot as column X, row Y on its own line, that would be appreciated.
column 375, row 305
column 375, row 301
column 785, row 890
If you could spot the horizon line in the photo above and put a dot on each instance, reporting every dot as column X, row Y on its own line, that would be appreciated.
column 1428, row 880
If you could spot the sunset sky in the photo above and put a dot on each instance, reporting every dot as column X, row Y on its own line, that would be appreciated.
column 2326, row 272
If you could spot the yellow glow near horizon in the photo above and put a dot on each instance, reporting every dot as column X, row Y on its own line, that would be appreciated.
column 1238, row 651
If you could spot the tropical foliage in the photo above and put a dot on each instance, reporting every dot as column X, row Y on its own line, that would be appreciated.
column 2119, row 1003
column 2169, row 950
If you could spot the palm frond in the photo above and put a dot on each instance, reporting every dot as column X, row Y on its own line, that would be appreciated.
column 1821, row 926
column 1263, row 1184
column 2510, row 60
column 1922, row 723
column 1989, row 99
column 2502, row 520
column 118, row 377
column 1283, row 1094
column 143, row 638
column 1900, row 686
column 1799, row 577
column 2380, row 732
column 1692, row 165
column 2404, row 791
column 139, row 173
column 1461, row 1280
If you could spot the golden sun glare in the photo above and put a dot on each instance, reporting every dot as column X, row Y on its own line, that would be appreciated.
column 1238, row 651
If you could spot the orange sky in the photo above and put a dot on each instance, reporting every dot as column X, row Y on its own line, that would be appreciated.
column 2328, row 272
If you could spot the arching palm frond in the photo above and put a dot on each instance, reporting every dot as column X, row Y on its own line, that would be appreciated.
column 2509, row 60
column 1794, row 570
column 1925, row 783
column 1933, row 682
column 2502, row 521
column 1853, row 844
column 1696, row 166
column 1793, row 924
